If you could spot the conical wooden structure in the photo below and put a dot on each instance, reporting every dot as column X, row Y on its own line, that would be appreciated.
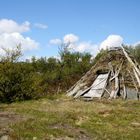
column 115, row 75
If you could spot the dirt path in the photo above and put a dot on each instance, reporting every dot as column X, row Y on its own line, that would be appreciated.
column 7, row 118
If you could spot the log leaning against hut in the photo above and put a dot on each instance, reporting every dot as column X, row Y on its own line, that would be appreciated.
column 115, row 75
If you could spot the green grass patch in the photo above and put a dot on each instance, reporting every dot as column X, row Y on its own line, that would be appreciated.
column 62, row 118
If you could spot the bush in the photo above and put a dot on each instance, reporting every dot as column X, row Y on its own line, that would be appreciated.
column 18, row 82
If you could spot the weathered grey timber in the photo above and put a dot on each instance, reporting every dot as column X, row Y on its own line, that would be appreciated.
column 98, row 87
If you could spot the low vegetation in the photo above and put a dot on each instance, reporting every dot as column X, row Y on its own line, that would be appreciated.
column 39, row 77
column 31, row 80
column 61, row 118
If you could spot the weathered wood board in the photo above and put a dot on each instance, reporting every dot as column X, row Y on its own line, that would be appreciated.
column 97, row 87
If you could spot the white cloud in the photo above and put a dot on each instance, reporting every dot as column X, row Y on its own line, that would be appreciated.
column 55, row 41
column 137, row 43
column 41, row 26
column 85, row 47
column 70, row 38
column 10, row 41
column 10, row 26
column 76, row 45
column 111, row 41
column 10, row 36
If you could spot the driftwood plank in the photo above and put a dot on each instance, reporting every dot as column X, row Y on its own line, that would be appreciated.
column 95, row 91
column 75, row 90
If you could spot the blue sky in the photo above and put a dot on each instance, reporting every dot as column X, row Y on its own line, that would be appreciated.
column 91, row 21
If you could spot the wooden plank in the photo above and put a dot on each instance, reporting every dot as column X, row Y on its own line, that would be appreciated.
column 95, row 91
column 75, row 90
column 116, row 87
column 124, row 89
column 82, row 92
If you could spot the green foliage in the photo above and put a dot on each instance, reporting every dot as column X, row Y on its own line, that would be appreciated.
column 134, row 51
column 43, row 76
column 31, row 80
column 11, row 55
column 18, row 81
column 137, row 53
column 60, row 75
column 102, row 53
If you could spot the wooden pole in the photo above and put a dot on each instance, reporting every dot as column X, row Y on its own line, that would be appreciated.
column 124, row 89
column 116, row 87
column 131, row 62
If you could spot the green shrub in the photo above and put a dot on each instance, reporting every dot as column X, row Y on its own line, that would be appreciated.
column 18, row 82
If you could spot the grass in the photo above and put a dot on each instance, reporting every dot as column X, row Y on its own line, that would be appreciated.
column 63, row 118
